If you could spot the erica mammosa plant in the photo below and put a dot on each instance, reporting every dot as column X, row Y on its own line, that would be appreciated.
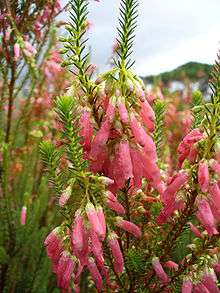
column 128, row 226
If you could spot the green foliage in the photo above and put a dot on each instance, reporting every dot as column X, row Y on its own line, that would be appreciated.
column 180, row 249
column 159, row 109
column 127, row 25
column 67, row 111
column 135, row 261
column 197, row 109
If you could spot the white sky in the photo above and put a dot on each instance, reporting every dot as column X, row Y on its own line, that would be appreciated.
column 169, row 33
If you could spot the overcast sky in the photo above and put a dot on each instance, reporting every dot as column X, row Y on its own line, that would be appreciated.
column 169, row 33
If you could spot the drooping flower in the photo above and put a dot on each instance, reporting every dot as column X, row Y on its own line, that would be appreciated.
column 177, row 182
column 214, row 201
column 203, row 176
column 94, row 220
column 200, row 288
column 78, row 233
column 65, row 196
column 215, row 166
column 113, row 204
column 95, row 274
column 171, row 265
column 65, row 268
column 209, row 280
column 128, row 226
column 205, row 216
column 195, row 230
column 116, row 251
column 161, row 274
column 125, row 159
column 187, row 286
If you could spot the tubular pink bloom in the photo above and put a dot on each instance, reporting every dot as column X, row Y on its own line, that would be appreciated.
column 110, row 113
column 116, row 252
column 177, row 182
column 187, row 286
column 102, row 221
column 86, row 130
column 137, row 167
column 54, row 245
column 128, row 226
column 78, row 233
column 193, row 154
column 214, row 202
column 106, row 180
column 96, row 248
column 65, row 196
column 23, row 215
column 95, row 274
column 125, row 159
column 200, row 288
column 147, row 115
column 138, row 131
column 209, row 281
column 123, row 111
column 116, row 206
column 167, row 211
column 203, row 176
column 193, row 136
column 162, row 276
column 16, row 51
column 205, row 216
column 196, row 231
column 215, row 166
column 94, row 219
column 65, row 269
column 171, row 265
column 100, row 140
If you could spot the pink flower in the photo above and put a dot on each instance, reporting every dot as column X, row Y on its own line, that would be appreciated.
column 129, row 227
column 78, row 233
column 86, row 130
column 94, row 220
column 65, row 196
column 102, row 221
column 214, row 202
column 116, row 251
column 203, row 176
column 100, row 140
column 209, row 280
column 16, row 51
column 29, row 50
column 138, row 132
column 95, row 274
column 125, row 159
column 23, row 215
column 137, row 167
column 171, row 265
column 54, row 246
column 162, row 276
column 215, row 166
column 123, row 111
column 200, row 288
column 205, row 216
column 147, row 115
column 65, row 269
column 96, row 246
column 187, row 286
column 177, row 182
column 114, row 204
column 196, row 231
column 110, row 113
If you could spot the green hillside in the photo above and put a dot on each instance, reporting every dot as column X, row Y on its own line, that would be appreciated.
column 191, row 70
